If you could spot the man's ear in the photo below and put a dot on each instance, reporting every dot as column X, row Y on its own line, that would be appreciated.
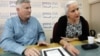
column 17, row 9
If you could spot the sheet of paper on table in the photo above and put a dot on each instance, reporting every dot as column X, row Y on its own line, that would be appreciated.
column 57, row 51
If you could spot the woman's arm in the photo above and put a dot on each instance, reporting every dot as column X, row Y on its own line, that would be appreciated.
column 60, row 29
column 69, row 47
column 85, row 29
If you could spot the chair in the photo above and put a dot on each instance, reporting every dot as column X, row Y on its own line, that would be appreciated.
column 54, row 30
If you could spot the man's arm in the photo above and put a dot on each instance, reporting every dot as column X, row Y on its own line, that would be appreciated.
column 7, row 41
column 41, row 33
column 42, row 38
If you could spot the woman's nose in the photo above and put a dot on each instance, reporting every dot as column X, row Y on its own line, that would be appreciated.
column 76, row 12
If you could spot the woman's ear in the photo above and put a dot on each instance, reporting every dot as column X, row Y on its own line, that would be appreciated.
column 67, row 15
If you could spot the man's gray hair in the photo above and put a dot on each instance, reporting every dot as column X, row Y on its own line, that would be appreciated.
column 18, row 2
column 69, row 3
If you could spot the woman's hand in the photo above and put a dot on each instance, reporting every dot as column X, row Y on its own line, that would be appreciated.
column 69, row 47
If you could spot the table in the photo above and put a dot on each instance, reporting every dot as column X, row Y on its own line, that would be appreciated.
column 94, row 52
column 2, row 53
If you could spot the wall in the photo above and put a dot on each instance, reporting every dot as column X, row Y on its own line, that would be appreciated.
column 95, row 16
column 46, row 11
column 93, row 1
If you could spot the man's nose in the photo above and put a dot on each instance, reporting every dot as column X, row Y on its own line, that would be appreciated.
column 29, row 10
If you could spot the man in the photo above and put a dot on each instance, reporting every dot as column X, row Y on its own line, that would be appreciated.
column 21, row 31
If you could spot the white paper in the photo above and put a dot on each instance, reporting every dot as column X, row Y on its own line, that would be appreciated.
column 55, row 52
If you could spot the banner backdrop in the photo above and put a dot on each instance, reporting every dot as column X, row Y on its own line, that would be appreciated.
column 46, row 11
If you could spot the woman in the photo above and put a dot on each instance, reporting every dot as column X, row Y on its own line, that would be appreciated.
column 71, row 27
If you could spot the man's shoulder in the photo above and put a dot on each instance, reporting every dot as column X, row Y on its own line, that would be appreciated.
column 12, row 18
column 33, row 18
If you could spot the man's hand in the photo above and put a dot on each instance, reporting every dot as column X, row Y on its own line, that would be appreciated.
column 71, row 49
column 42, row 44
column 31, row 52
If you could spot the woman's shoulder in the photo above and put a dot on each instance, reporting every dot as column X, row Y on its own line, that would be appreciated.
column 62, row 21
column 82, row 18
column 63, row 18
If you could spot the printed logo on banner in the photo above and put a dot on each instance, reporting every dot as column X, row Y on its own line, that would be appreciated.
column 36, row 4
column 47, row 25
column 46, row 4
column 46, row 14
column 12, row 3
column 13, row 13
column 49, row 4
column 4, row 15
column 50, row 15
column 38, row 15
column 4, row 3
column 54, row 15
column 54, row 5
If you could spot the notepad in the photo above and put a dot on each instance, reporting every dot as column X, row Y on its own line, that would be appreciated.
column 57, row 51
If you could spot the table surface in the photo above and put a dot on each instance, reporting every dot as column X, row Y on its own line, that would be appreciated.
column 77, row 44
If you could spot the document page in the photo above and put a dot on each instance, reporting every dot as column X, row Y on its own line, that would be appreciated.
column 57, row 51
column 54, row 52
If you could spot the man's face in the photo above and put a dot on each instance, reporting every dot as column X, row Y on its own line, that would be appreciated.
column 24, row 11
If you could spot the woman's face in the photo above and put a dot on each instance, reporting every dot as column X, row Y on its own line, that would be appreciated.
column 73, row 11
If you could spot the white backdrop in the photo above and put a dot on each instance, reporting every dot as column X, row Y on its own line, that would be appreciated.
column 46, row 11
